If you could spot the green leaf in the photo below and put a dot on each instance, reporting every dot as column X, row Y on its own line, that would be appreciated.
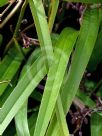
column 99, row 93
column 21, row 116
column 40, row 21
column 21, row 121
column 96, row 57
column 83, row 51
column 96, row 125
column 3, row 2
column 24, row 88
column 36, row 95
column 54, row 8
column 85, row 99
column 62, row 52
column 9, row 67
column 32, row 122
column 8, row 90
column 61, row 117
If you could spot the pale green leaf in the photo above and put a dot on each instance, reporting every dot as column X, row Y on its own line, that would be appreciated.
column 21, row 92
column 96, row 125
column 41, row 24
column 83, row 51
column 3, row 2
column 21, row 121
column 62, row 52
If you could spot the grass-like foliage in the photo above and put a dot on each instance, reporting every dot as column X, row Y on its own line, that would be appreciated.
column 49, row 72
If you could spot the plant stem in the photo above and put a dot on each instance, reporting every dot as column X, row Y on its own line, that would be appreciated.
column 20, row 18
column 11, row 13
column 96, row 87
column 8, row 45
column 6, row 9
column 28, row 27
column 17, row 26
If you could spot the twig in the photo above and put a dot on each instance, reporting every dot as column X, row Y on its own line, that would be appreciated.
column 7, row 8
column 11, row 13
column 28, row 27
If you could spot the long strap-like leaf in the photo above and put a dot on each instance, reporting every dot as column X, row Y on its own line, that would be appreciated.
column 54, row 8
column 96, row 125
column 41, row 24
column 21, row 122
column 62, row 53
column 9, row 67
column 84, row 48
column 21, row 92
column 83, row 51
column 61, row 117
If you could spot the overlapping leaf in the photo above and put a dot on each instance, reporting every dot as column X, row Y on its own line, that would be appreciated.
column 62, row 52
column 61, row 117
column 84, row 47
column 37, row 71
column 96, row 57
column 40, row 20
column 20, row 94
column 96, row 125
column 9, row 67
column 21, row 121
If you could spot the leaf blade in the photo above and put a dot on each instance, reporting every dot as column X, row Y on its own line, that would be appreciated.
column 62, row 53
column 41, row 24
column 91, row 18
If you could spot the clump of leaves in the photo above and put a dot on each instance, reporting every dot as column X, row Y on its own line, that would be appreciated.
column 47, row 65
